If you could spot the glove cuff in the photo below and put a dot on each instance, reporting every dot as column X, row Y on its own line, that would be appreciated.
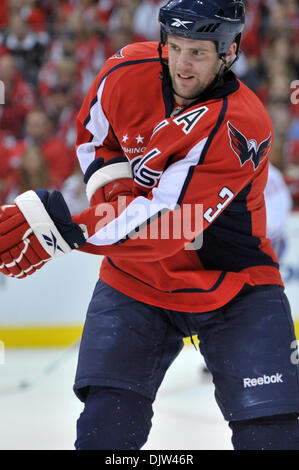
column 112, row 170
column 56, row 207
column 41, row 224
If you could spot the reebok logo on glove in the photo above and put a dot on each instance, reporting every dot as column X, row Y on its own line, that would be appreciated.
column 263, row 380
column 52, row 242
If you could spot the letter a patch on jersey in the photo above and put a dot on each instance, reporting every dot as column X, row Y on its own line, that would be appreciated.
column 190, row 118
column 248, row 149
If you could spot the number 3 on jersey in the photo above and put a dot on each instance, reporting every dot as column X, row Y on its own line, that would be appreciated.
column 226, row 195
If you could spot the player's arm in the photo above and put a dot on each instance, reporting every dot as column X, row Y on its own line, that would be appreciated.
column 103, row 163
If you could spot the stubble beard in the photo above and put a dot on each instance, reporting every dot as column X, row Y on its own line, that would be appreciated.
column 191, row 96
column 198, row 90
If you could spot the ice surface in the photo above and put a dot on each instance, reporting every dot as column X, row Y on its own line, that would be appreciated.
column 43, row 416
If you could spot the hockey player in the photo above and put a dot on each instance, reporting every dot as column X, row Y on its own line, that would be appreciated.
column 174, row 151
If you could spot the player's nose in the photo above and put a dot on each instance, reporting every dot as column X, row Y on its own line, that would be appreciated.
column 183, row 62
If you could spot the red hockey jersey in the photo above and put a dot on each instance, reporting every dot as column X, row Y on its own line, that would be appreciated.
column 195, row 231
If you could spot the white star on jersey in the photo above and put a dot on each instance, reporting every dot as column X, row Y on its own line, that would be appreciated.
column 139, row 139
column 125, row 138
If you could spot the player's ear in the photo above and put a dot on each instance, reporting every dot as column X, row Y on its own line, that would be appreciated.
column 231, row 52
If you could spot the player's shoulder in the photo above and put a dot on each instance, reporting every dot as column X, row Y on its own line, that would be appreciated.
column 132, row 58
column 136, row 51
column 252, row 101
column 247, row 113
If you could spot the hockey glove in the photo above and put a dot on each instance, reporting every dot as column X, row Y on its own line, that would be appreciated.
column 106, row 180
column 34, row 230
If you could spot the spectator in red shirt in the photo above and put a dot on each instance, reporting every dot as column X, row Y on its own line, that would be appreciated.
column 63, row 111
column 8, row 176
column 4, row 11
column 39, row 131
column 19, row 98
column 33, row 171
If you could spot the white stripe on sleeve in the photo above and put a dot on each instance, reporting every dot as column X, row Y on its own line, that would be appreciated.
column 98, row 126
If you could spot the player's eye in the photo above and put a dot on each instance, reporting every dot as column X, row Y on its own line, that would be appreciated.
column 174, row 47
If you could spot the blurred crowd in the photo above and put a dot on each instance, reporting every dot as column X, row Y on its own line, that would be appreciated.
column 51, row 50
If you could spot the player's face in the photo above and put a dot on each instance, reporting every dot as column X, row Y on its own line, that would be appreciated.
column 193, row 65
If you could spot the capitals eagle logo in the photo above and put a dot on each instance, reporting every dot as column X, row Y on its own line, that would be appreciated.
column 248, row 149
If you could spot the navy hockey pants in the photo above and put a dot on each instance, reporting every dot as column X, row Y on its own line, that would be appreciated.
column 249, row 347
